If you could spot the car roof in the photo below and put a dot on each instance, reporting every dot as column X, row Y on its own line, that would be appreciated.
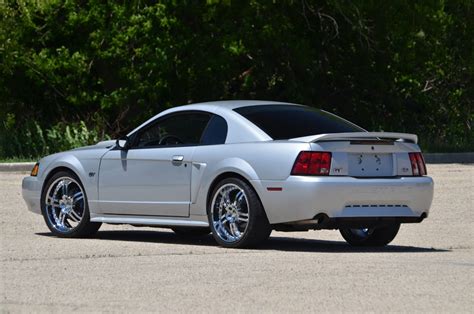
column 240, row 129
column 231, row 104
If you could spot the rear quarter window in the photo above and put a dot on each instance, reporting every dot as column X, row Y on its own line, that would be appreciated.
column 216, row 131
column 290, row 121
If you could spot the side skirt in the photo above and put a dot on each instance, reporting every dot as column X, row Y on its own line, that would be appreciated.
column 151, row 220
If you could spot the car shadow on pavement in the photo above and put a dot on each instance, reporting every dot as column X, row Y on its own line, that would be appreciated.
column 275, row 243
column 326, row 246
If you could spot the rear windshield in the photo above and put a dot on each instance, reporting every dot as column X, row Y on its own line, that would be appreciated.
column 290, row 121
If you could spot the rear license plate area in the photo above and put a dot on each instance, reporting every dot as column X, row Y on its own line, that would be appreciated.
column 370, row 165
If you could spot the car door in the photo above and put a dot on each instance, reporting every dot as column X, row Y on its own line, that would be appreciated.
column 153, row 177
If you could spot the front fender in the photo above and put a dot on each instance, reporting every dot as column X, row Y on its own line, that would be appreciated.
column 71, row 163
column 85, row 168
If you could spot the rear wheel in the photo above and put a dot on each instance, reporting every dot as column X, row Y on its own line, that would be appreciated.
column 64, row 207
column 380, row 236
column 236, row 216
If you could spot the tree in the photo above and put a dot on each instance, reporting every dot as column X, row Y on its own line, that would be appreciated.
column 396, row 65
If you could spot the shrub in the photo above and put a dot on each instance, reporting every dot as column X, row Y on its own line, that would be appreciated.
column 31, row 141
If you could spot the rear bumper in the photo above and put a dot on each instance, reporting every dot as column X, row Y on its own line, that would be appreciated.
column 304, row 198
column 31, row 192
column 323, row 222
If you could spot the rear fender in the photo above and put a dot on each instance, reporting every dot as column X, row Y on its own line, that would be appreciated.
column 201, row 182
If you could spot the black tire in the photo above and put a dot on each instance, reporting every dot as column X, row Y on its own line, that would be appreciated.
column 191, row 232
column 257, row 229
column 85, row 227
column 380, row 236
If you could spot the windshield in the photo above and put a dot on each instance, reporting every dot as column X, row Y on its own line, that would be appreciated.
column 290, row 121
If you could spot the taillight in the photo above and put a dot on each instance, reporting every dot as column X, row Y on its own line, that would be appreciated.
column 418, row 166
column 312, row 164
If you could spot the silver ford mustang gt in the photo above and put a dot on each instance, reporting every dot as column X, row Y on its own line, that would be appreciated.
column 238, row 169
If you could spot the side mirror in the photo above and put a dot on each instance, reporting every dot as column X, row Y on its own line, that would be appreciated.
column 123, row 143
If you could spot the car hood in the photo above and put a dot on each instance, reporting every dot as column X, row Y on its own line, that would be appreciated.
column 104, row 144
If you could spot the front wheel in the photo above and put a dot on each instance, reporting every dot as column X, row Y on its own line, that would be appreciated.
column 64, row 207
column 236, row 216
column 380, row 236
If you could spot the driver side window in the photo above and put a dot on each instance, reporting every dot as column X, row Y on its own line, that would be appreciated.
column 178, row 129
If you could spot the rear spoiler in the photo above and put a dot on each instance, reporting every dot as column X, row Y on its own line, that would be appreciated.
column 357, row 135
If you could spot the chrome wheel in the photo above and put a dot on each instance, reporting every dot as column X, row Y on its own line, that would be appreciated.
column 64, row 204
column 230, row 212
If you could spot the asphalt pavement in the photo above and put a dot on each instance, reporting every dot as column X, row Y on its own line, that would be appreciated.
column 428, row 267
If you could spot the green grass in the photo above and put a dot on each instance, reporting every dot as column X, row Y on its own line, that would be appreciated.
column 17, row 159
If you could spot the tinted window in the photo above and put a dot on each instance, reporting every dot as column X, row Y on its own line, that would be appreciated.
column 216, row 131
column 287, row 121
column 178, row 129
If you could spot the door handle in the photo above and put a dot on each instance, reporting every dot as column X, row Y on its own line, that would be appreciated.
column 178, row 158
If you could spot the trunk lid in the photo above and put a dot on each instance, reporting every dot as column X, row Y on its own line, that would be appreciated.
column 366, row 154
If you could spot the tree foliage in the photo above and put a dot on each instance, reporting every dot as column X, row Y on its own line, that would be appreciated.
column 386, row 65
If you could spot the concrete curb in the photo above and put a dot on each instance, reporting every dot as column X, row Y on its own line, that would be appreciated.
column 16, row 166
column 430, row 158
